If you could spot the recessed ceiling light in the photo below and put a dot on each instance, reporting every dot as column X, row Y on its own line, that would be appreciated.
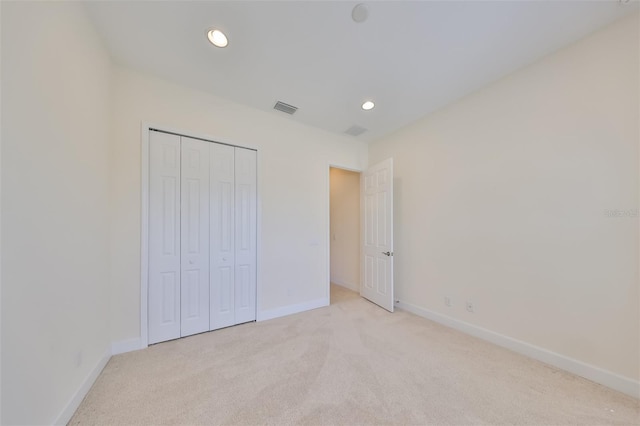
column 217, row 38
column 368, row 105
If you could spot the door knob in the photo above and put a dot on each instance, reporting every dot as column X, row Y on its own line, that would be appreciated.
column 387, row 253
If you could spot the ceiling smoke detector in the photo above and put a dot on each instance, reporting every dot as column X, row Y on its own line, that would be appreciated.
column 360, row 13
column 289, row 109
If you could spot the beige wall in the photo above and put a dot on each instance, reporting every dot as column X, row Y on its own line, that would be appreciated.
column 345, row 228
column 293, row 184
column 55, row 247
column 502, row 199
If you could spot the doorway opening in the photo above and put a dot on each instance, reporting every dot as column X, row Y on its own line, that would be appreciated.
column 344, row 234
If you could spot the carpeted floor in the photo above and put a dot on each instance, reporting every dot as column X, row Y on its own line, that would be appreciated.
column 350, row 363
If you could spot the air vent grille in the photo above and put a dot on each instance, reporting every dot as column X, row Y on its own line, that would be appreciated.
column 281, row 106
column 355, row 130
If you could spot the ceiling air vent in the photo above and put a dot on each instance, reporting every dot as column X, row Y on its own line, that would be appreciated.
column 281, row 106
column 355, row 130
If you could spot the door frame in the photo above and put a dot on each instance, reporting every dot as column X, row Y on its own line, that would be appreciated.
column 145, row 130
column 328, row 234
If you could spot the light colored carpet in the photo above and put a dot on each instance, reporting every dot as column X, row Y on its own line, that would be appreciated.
column 350, row 363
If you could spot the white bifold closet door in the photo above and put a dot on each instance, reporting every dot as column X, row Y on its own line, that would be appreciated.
column 245, row 238
column 233, row 235
column 194, row 237
column 202, row 236
column 164, row 237
column 223, row 224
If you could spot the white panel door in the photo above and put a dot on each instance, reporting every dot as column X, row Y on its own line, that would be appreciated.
column 377, row 224
column 245, row 238
column 222, row 219
column 164, row 237
column 194, row 237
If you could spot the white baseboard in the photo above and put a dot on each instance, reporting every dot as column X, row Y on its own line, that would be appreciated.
column 350, row 286
column 126, row 346
column 292, row 309
column 77, row 398
column 607, row 378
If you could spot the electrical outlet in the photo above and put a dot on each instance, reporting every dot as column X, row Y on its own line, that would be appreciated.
column 469, row 306
column 78, row 358
column 447, row 301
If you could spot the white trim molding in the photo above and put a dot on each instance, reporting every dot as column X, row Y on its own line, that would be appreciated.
column 73, row 404
column 596, row 374
column 292, row 309
column 144, row 234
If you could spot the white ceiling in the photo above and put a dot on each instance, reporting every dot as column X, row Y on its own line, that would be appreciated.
column 410, row 57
